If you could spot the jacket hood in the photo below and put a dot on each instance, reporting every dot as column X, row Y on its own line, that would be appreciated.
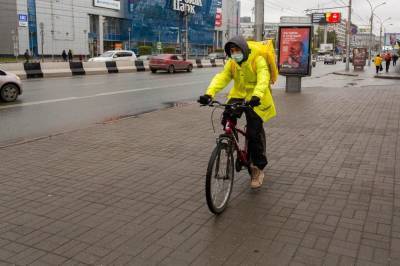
column 240, row 42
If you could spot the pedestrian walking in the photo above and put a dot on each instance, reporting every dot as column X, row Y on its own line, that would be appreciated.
column 70, row 56
column 388, row 58
column 64, row 55
column 395, row 58
column 378, row 63
column 26, row 55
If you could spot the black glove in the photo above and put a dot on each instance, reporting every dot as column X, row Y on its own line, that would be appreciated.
column 205, row 99
column 255, row 101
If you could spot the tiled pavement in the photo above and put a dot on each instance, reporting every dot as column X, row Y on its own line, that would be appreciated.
column 131, row 192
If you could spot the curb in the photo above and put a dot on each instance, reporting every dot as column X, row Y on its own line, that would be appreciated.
column 387, row 77
column 68, row 69
column 345, row 74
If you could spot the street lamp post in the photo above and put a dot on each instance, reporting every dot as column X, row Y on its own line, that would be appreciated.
column 380, row 31
column 370, row 30
column 129, row 38
column 348, row 38
column 52, row 45
column 41, row 25
column 86, row 46
column 259, row 19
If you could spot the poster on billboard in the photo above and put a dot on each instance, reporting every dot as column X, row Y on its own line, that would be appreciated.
column 391, row 39
column 294, row 50
column 359, row 57
column 111, row 4
column 325, row 47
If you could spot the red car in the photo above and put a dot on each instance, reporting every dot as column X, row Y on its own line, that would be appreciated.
column 170, row 63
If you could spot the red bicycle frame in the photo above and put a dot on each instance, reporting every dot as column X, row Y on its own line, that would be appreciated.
column 230, row 128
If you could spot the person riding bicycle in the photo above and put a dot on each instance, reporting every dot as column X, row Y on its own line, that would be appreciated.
column 251, row 84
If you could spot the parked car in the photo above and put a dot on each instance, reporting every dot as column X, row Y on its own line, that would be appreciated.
column 115, row 55
column 10, row 86
column 329, row 59
column 338, row 57
column 216, row 56
column 170, row 63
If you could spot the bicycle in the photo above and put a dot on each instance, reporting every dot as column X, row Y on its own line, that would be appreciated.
column 222, row 164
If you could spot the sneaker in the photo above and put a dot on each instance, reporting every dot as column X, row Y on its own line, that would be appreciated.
column 257, row 177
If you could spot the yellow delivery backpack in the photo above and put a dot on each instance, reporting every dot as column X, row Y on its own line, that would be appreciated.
column 266, row 50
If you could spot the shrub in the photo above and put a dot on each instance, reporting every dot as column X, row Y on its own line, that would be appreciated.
column 169, row 50
column 144, row 50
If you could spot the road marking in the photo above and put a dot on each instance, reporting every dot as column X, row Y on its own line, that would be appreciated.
column 96, row 95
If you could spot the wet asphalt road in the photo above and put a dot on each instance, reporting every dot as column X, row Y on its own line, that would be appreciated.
column 50, row 106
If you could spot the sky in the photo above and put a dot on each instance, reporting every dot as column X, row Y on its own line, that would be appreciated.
column 274, row 9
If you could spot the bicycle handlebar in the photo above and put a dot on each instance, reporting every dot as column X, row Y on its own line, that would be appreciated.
column 235, row 105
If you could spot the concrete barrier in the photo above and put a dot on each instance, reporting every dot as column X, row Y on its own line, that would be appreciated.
column 16, row 68
column 139, row 66
column 112, row 67
column 206, row 63
column 57, row 69
column 65, row 69
column 199, row 63
column 126, row 66
column 77, row 68
column 33, row 70
column 95, row 68
column 220, row 62
column 146, row 65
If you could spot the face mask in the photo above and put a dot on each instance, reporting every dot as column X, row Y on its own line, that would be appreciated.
column 238, row 57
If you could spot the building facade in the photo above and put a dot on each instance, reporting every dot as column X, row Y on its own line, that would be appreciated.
column 270, row 29
column 340, row 29
column 90, row 27
column 230, row 24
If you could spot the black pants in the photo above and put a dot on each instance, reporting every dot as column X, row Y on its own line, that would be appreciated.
column 255, row 132
column 387, row 66
column 394, row 62
column 377, row 69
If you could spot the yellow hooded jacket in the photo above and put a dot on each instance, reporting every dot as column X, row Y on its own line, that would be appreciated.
column 247, row 82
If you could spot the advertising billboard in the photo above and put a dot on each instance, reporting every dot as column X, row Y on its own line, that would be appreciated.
column 326, row 18
column 325, row 47
column 332, row 17
column 294, row 50
column 359, row 57
column 111, row 4
column 391, row 39
column 218, row 17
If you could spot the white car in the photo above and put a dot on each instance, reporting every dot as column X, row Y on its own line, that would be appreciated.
column 338, row 57
column 115, row 55
column 10, row 86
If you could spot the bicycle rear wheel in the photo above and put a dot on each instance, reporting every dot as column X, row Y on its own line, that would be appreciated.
column 219, row 178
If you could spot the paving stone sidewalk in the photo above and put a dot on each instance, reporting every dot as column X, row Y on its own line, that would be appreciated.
column 132, row 192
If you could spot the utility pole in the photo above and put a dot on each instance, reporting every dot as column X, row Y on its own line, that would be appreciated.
column 52, row 30
column 41, row 25
column 259, row 19
column 52, row 45
column 15, row 44
column 186, row 33
column 348, row 38
column 85, row 35
column 129, row 38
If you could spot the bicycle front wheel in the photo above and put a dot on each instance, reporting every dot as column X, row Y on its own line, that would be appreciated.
column 219, row 178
